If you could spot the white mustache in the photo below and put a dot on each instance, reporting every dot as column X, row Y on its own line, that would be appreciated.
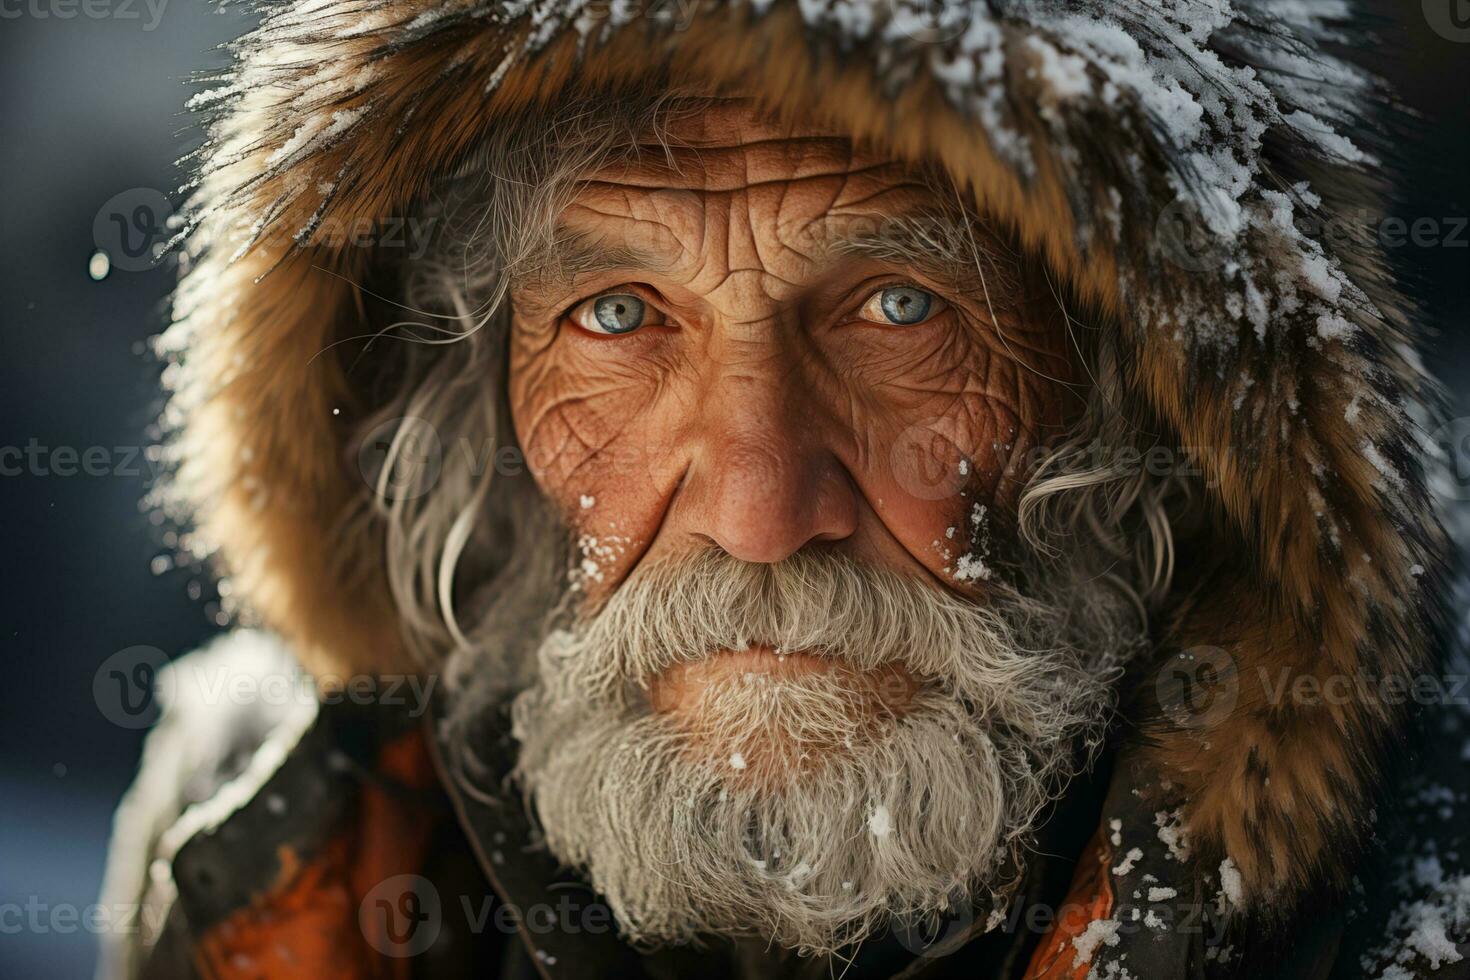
column 817, row 602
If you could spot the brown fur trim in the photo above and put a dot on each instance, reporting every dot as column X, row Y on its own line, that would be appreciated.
column 1315, row 481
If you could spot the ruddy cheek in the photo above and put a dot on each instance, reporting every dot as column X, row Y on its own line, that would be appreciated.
column 608, row 512
column 956, row 424
column 560, row 429
column 937, row 493
column 569, row 409
column 592, row 448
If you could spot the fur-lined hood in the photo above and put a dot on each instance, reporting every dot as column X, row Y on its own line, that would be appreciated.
column 1094, row 131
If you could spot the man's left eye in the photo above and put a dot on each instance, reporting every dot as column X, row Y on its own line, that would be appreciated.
column 615, row 313
column 901, row 306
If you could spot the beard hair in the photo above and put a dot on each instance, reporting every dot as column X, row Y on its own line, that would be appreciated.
column 866, row 818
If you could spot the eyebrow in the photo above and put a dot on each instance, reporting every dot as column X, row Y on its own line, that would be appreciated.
column 951, row 248
column 945, row 246
column 567, row 255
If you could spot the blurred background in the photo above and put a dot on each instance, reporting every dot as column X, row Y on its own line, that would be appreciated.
column 91, row 103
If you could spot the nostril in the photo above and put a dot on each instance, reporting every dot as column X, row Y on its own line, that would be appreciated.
column 836, row 505
column 766, row 501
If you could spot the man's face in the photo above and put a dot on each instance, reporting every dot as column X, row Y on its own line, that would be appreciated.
column 764, row 340
column 812, row 679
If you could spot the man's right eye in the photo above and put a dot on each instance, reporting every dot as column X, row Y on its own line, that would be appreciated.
column 614, row 313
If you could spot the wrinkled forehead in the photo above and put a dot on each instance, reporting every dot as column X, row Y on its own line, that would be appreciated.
column 733, row 147
column 731, row 184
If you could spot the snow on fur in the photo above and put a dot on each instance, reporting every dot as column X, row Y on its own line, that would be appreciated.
column 1229, row 122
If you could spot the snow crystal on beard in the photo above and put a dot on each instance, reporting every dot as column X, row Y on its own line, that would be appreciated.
column 891, row 821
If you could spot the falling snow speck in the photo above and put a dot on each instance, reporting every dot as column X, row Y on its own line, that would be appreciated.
column 99, row 265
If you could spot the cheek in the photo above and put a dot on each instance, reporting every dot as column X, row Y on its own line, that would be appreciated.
column 953, row 425
column 595, row 432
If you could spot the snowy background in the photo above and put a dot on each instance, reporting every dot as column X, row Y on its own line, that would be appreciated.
column 91, row 109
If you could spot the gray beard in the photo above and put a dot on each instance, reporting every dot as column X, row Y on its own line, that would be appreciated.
column 857, row 825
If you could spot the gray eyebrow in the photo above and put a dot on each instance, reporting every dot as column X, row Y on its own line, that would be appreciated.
column 949, row 247
column 567, row 255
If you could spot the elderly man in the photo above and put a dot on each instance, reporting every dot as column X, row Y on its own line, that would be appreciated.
column 842, row 489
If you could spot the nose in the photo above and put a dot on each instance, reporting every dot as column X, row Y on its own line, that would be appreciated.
column 764, row 479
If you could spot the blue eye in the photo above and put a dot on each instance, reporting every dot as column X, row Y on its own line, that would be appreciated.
column 904, row 304
column 901, row 306
column 616, row 313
